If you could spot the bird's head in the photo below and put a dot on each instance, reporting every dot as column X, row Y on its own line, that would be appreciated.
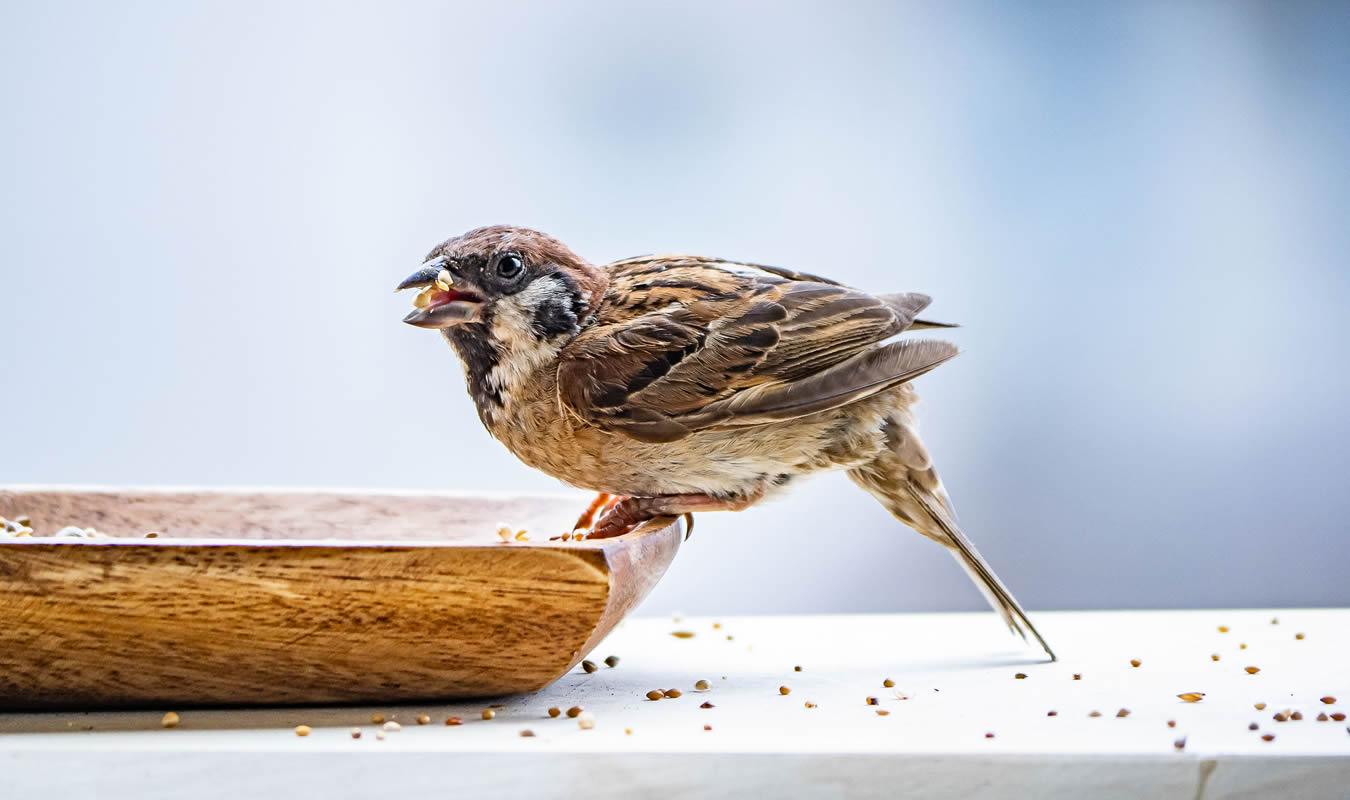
column 504, row 282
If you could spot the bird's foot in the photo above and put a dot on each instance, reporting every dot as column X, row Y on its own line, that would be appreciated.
column 631, row 512
column 597, row 506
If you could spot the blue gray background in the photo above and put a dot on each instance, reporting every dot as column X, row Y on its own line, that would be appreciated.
column 1137, row 210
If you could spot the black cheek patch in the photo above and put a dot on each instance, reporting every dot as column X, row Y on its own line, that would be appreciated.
column 553, row 317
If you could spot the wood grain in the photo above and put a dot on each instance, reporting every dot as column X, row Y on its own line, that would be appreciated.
column 290, row 597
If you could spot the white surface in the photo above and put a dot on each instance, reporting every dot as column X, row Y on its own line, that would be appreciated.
column 957, row 671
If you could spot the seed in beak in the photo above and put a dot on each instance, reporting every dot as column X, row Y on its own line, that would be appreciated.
column 444, row 280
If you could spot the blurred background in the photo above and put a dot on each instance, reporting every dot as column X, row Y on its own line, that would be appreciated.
column 1138, row 212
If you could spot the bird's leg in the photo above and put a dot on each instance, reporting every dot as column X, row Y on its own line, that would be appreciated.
column 587, row 517
column 632, row 512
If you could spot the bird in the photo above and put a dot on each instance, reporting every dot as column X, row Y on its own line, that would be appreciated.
column 672, row 384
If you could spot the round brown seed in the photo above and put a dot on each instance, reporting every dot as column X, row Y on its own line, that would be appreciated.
column 1298, row 636
column 809, row 704
column 454, row 721
column 1077, row 676
column 611, row 661
column 797, row 668
column 169, row 720
column 673, row 693
column 1338, row 716
column 302, row 730
column 574, row 711
column 377, row 719
column 655, row 694
column 1134, row 662
column 989, row 735
column 1267, row 737
column 1192, row 697
column 589, row 666
column 881, row 712
column 1253, row 727
column 555, row 711
column 1124, row 712
column 526, row 733
column 1260, row 706
column 356, row 733
column 1021, row 676
column 1323, row 717
column 1171, row 723
column 684, row 634
column 1094, row 713
column 489, row 713
column 1223, row 629
column 784, row 690
column 1296, row 715
column 423, row 719
column 707, row 705
column 1252, row 670
column 701, row 686
column 1180, row 744
column 1329, row 700
column 1213, row 656
column 1052, row 713
column 888, row 683
column 871, row 701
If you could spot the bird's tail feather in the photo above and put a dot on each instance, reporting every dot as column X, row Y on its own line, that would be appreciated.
column 903, row 479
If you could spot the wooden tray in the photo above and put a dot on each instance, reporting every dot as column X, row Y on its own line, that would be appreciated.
column 291, row 597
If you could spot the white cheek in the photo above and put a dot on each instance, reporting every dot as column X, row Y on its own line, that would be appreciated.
column 524, row 352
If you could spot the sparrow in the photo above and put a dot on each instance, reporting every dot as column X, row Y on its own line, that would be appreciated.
column 673, row 384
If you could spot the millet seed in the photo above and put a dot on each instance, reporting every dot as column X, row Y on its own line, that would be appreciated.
column 302, row 730
column 555, row 711
column 488, row 713
column 589, row 666
column 574, row 711
column 169, row 720
column 784, row 690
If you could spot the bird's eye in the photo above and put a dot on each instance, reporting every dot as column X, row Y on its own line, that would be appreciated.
column 509, row 265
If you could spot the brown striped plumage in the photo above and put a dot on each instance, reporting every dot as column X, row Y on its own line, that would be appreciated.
column 684, row 383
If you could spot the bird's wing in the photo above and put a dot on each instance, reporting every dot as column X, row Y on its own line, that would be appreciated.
column 684, row 343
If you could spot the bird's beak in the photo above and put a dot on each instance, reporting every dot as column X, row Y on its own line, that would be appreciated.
column 444, row 301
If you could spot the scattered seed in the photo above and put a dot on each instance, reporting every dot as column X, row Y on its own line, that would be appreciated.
column 888, row 683
column 356, row 733
column 1094, row 713
column 784, row 690
column 1267, row 737
column 655, row 694
column 525, row 734
column 1296, row 715
column 555, row 711
column 717, row 625
column 881, row 712
column 707, row 727
column 423, row 719
column 611, row 661
column 684, row 634
column 394, row 726
column 152, row 535
column 673, row 693
column 1052, row 713
column 1281, row 716
column 574, row 711
column 504, row 533
column 1338, row 716
column 1134, row 662
column 1274, row 621
column 1077, row 677
column 1260, row 706
column 871, row 701
column 707, row 705
column 585, row 720
column 377, row 719
column 1253, row 727
column 1171, row 723
column 169, row 720
column 1192, row 697
column 1242, row 646
column 701, row 686
column 1323, row 717
column 627, row 731
column 1252, row 670
column 589, row 666
column 1124, row 712
column 454, row 721
column 1329, row 700
column 1223, row 629
column 1180, row 744
column 488, row 713
column 989, row 736
column 1021, row 676
column 1298, row 636
column 522, row 536
column 809, row 704
column 1213, row 656
column 302, row 730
